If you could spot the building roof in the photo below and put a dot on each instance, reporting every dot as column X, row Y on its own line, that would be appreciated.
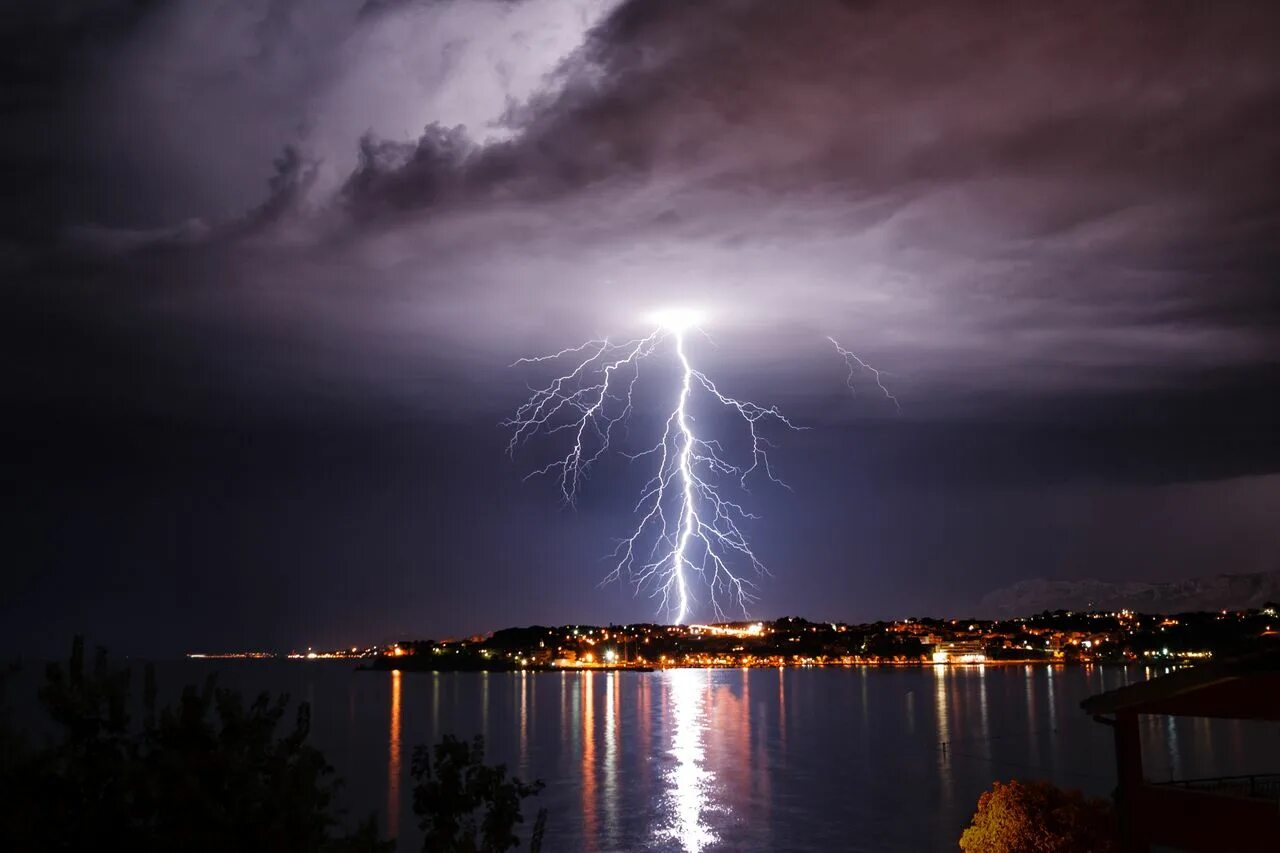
column 1246, row 688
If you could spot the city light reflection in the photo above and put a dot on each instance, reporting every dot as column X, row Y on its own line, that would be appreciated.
column 689, row 783
column 942, row 709
column 586, row 690
column 393, row 762
column 982, row 701
column 611, row 753
column 524, row 723
column 782, row 707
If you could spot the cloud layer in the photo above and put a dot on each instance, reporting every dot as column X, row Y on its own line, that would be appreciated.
column 991, row 203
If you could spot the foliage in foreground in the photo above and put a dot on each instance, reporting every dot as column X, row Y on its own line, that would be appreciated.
column 465, row 806
column 212, row 774
column 1018, row 817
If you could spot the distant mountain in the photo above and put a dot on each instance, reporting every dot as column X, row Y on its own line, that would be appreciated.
column 1217, row 592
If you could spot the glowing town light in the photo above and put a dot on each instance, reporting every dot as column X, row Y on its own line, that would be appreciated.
column 688, row 526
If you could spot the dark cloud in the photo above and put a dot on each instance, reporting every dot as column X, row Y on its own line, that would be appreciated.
column 993, row 206
column 1022, row 200
column 45, row 49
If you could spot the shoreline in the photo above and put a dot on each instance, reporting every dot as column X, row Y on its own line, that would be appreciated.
column 400, row 667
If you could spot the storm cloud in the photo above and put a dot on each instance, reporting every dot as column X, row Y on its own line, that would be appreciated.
column 1014, row 202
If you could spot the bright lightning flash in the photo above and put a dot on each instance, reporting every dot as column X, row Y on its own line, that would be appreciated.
column 688, row 529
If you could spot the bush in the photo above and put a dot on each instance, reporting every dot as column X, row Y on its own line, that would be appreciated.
column 465, row 806
column 1021, row 817
column 212, row 774
column 209, row 774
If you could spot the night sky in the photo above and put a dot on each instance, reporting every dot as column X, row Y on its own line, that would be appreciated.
column 266, row 266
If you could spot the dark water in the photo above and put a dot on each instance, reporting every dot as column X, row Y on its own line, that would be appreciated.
column 692, row 760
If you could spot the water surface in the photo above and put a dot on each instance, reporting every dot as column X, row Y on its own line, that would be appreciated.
column 874, row 759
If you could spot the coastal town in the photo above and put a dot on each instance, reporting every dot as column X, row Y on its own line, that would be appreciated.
column 1057, row 637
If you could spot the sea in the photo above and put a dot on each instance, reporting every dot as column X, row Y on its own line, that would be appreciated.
column 889, row 758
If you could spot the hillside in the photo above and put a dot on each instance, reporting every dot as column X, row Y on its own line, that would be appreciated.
column 1215, row 592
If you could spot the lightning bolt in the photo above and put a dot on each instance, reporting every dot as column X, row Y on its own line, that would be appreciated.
column 689, row 526
column 856, row 365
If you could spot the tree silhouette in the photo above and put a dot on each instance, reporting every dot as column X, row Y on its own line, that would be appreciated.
column 209, row 774
column 465, row 806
